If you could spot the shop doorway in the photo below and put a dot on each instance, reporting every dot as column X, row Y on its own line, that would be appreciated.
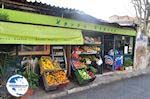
column 118, row 50
column 108, row 45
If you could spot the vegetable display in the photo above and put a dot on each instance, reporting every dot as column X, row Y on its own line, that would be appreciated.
column 78, row 64
column 85, row 58
column 84, row 74
column 52, row 73
column 91, row 40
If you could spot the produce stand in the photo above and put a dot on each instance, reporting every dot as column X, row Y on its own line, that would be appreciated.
column 83, row 57
column 53, row 76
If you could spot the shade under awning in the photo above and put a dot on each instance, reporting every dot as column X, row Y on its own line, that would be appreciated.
column 16, row 33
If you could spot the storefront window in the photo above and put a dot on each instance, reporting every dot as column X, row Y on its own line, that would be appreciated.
column 119, row 43
column 128, row 48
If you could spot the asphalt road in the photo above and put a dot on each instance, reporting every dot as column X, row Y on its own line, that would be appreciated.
column 133, row 88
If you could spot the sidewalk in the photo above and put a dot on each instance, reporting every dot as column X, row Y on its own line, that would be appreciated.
column 101, row 79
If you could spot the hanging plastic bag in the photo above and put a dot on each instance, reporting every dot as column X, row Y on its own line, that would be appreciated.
column 99, row 62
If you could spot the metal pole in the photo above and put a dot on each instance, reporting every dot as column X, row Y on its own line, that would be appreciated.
column 102, row 56
column 16, row 50
column 113, row 67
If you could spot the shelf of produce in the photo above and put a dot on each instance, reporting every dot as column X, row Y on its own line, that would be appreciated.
column 80, row 67
column 77, row 65
column 87, row 53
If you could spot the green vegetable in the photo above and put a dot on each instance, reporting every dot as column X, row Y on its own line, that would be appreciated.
column 93, row 69
column 84, row 74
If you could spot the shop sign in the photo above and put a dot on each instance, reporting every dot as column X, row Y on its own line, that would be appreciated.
column 17, row 85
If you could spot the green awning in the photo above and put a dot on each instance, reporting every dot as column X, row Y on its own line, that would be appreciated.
column 26, row 17
column 16, row 33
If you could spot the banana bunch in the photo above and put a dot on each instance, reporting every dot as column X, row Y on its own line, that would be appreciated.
column 46, row 64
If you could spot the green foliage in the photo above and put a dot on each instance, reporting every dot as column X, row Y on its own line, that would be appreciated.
column 32, row 78
column 128, row 62
column 5, row 68
column 8, row 67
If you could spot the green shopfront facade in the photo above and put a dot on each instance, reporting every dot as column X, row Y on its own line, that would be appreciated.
column 17, row 27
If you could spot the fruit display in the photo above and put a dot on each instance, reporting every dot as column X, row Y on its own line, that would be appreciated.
column 84, row 74
column 91, row 40
column 60, row 77
column 47, row 64
column 88, row 59
column 83, row 59
column 91, row 74
column 53, row 75
column 77, row 64
column 56, row 78
column 50, row 79
column 88, row 49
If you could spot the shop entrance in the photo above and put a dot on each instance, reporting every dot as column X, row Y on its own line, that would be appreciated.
column 108, row 45
column 118, row 51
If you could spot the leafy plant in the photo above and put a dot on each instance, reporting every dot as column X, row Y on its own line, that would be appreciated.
column 128, row 62
column 8, row 67
column 29, row 73
column 5, row 68
column 32, row 78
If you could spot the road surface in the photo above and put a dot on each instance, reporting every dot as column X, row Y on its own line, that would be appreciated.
column 133, row 88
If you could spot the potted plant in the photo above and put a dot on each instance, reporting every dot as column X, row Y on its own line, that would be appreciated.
column 128, row 64
column 31, row 76
column 32, row 79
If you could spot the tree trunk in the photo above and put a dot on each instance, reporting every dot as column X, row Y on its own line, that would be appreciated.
column 141, row 55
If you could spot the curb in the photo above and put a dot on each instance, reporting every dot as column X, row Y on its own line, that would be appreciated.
column 100, row 80
column 105, row 80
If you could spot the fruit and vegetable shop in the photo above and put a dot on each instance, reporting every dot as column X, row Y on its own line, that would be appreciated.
column 56, row 50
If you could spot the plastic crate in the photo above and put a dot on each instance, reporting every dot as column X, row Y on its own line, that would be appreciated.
column 81, row 81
